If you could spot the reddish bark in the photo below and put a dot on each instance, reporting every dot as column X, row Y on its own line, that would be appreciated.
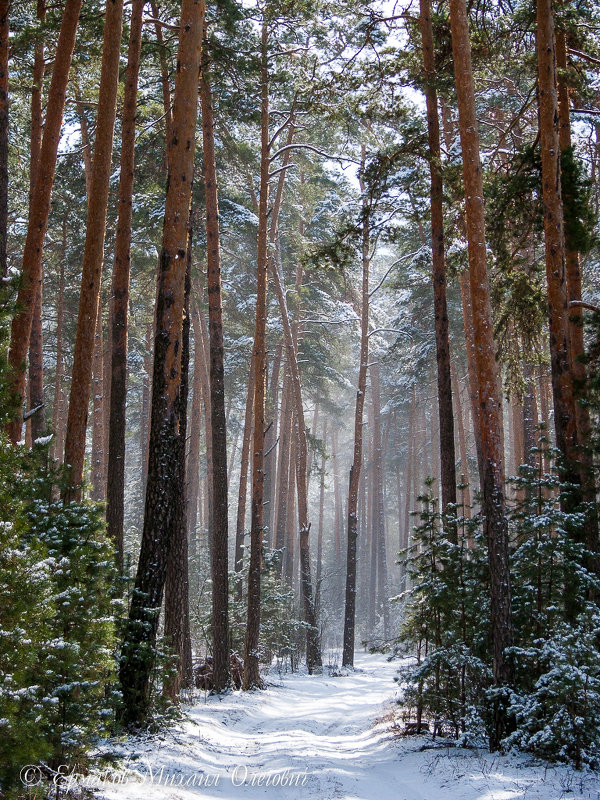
column 59, row 403
column 195, row 428
column 97, row 465
column 565, row 422
column 489, row 394
column 39, row 207
column 163, row 493
column 442, row 342
column 119, row 328
column 251, row 664
column 283, row 469
column 462, row 445
column 243, row 485
column 576, row 339
column 350, row 602
column 36, row 362
column 177, row 590
column 219, row 532
column 93, row 255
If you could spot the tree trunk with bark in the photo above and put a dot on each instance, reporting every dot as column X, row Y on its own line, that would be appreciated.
column 39, row 208
column 93, row 255
column 35, row 384
column 530, row 414
column 465, row 291
column 283, row 471
column 442, row 342
column 58, row 407
column 193, row 468
column 165, row 82
column 145, row 409
column 115, row 491
column 208, row 439
column 36, row 358
column 565, row 422
column 177, row 586
column 97, row 465
column 373, row 530
column 291, row 554
column 490, row 398
column 409, row 469
column 271, row 442
column 251, row 677
column 338, row 522
column 574, row 294
column 350, row 601
column 563, row 368
column 319, row 569
column 462, row 445
column 313, row 653
column 219, row 532
column 243, row 485
column 163, row 494
column 379, row 503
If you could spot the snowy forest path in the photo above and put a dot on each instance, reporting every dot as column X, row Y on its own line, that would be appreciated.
column 320, row 738
column 315, row 736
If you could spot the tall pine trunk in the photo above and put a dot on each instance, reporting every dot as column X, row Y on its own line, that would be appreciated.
column 442, row 342
column 561, row 363
column 313, row 654
column 163, row 492
column 489, row 394
column 93, row 254
column 283, row 470
column 243, row 484
column 115, row 491
column 195, row 427
column 177, row 586
column 565, row 422
column 574, row 293
column 379, row 502
column 208, row 439
column 39, row 207
column 319, row 569
column 271, row 442
column 350, row 600
column 470, row 347
column 36, row 363
column 251, row 665
column 165, row 83
column 462, row 444
column 97, row 465
column 145, row 406
column 219, row 531
column 58, row 407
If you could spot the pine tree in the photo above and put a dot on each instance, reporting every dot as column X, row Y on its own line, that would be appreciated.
column 163, row 492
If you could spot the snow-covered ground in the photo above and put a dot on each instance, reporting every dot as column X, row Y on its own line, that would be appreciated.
column 320, row 738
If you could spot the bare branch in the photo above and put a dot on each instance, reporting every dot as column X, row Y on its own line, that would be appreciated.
column 583, row 304
column 391, row 267
column 153, row 21
column 312, row 148
column 281, row 169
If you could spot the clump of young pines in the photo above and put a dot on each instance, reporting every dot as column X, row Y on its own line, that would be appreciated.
column 58, row 612
column 553, row 704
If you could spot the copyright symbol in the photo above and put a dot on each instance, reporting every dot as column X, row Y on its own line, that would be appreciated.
column 31, row 775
